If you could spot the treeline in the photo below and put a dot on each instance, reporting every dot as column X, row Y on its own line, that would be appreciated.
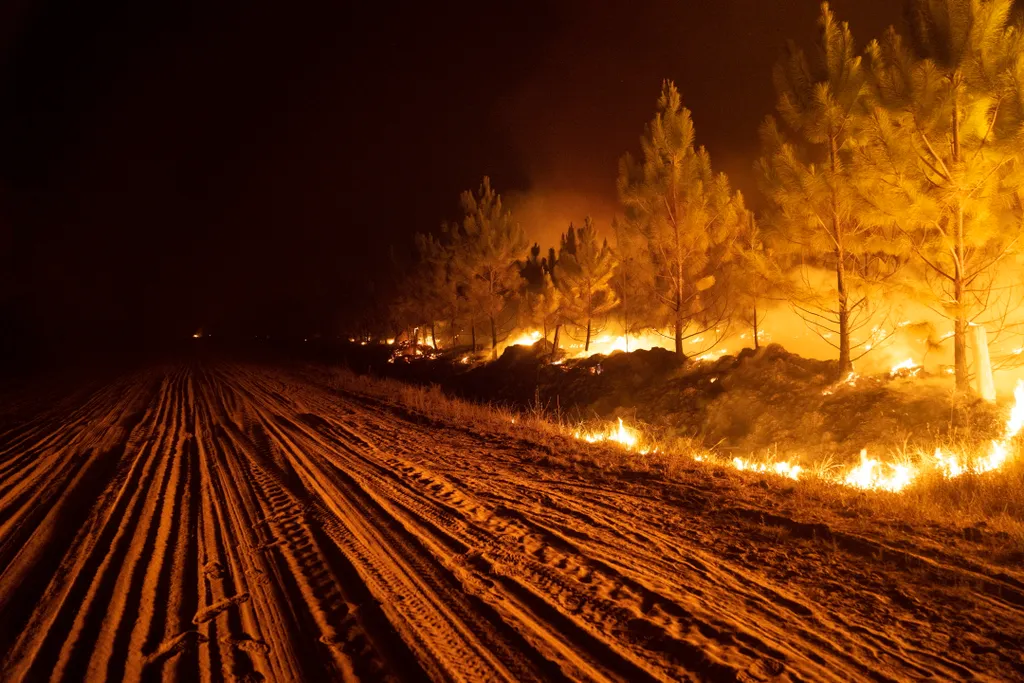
column 890, row 173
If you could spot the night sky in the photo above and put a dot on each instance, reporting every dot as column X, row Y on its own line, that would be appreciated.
column 253, row 166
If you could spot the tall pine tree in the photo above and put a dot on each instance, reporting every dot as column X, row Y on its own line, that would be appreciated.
column 688, row 217
column 944, row 147
column 807, row 173
column 634, row 280
column 542, row 298
column 441, row 296
column 586, row 267
column 486, row 247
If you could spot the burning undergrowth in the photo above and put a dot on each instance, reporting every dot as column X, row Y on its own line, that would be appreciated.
column 973, row 497
column 766, row 411
column 744, row 406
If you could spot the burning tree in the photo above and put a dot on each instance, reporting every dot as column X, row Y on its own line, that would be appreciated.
column 808, row 175
column 584, row 273
column 542, row 298
column 687, row 216
column 633, row 278
column 485, row 248
column 944, row 142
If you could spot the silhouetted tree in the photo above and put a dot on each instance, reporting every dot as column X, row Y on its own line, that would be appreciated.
column 585, row 271
column 485, row 249
column 543, row 299
column 755, row 279
column 441, row 297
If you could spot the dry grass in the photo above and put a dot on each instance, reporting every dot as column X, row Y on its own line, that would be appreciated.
column 993, row 502
column 432, row 402
column 988, row 507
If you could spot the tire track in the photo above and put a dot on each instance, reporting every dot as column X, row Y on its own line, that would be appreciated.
column 435, row 618
column 220, row 522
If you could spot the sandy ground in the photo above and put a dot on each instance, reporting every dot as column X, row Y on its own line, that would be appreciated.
column 223, row 522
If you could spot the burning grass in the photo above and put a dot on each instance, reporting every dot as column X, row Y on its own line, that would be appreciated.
column 900, row 485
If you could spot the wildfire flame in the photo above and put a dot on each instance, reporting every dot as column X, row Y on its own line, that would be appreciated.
column 849, row 381
column 872, row 474
column 869, row 473
column 526, row 339
column 606, row 344
column 785, row 469
column 953, row 466
column 908, row 365
column 620, row 434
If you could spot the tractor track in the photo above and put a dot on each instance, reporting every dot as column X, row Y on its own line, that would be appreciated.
column 237, row 522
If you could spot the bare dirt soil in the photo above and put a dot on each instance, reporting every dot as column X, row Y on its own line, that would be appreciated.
column 221, row 522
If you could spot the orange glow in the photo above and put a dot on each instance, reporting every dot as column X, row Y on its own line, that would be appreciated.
column 869, row 473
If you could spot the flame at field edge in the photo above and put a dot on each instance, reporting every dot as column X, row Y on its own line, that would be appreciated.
column 869, row 473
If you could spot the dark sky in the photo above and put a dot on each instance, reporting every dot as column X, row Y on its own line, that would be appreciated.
column 249, row 166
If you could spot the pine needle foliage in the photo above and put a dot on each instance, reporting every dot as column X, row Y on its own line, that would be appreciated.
column 944, row 147
column 542, row 298
column 687, row 216
column 486, row 247
column 808, row 174
column 585, row 271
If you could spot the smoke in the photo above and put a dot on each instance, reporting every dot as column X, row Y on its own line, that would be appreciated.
column 545, row 214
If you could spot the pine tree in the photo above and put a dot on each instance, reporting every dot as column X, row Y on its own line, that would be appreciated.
column 943, row 146
column 634, row 279
column 542, row 298
column 546, row 311
column 809, row 178
column 443, row 301
column 688, row 217
column 585, row 270
column 755, row 279
column 486, row 247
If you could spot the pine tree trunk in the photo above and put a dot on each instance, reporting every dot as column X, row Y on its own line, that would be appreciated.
column 586, row 345
column 679, row 303
column 960, row 325
column 753, row 246
column 624, row 305
column 554, row 343
column 455, row 335
column 433, row 336
column 679, row 332
column 756, row 342
column 494, row 340
column 845, row 362
column 679, row 277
